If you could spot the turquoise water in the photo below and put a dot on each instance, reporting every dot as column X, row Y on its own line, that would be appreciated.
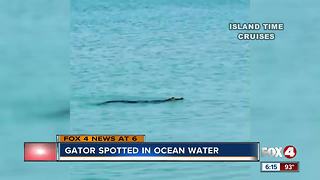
column 34, row 89
column 285, row 84
column 154, row 50
column 234, row 91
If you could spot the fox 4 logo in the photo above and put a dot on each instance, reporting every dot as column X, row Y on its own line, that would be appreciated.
column 277, row 152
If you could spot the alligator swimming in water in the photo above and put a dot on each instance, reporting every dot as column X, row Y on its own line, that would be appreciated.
column 143, row 101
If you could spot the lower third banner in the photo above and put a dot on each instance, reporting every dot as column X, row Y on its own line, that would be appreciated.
column 159, row 151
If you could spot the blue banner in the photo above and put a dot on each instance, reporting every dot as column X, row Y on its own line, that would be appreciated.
column 162, row 149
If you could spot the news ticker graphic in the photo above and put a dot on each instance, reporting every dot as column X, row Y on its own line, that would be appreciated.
column 100, row 138
column 133, row 148
column 279, row 166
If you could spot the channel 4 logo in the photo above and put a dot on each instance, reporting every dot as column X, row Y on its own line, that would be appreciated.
column 278, row 152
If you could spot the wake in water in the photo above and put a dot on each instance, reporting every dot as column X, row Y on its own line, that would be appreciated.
column 143, row 101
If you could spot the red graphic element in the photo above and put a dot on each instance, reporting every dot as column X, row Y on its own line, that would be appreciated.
column 290, row 152
column 40, row 151
column 294, row 166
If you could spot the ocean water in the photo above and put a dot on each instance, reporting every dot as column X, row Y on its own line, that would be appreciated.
column 234, row 91
column 154, row 50
column 34, row 83
column 285, row 84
